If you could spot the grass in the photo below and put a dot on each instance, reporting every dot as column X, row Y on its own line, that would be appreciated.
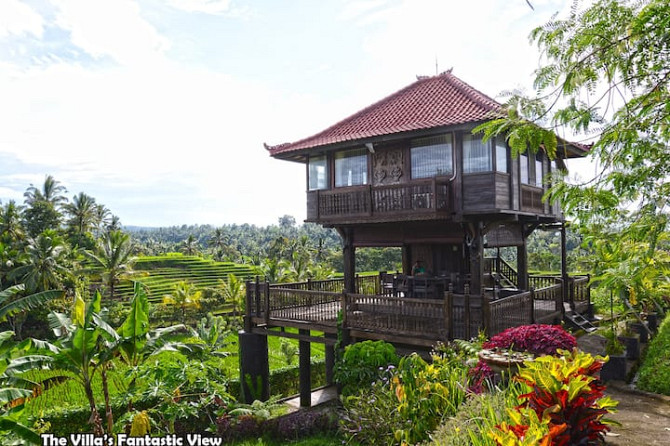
column 655, row 369
column 160, row 274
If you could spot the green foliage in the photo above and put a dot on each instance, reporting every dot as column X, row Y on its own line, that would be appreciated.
column 566, row 403
column 655, row 370
column 288, row 350
column 477, row 416
column 427, row 394
column 371, row 416
column 183, row 297
column 363, row 363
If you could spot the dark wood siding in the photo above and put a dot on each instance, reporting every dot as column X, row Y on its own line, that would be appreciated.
column 479, row 191
column 502, row 190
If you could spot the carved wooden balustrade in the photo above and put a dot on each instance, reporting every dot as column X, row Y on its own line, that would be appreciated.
column 382, row 203
column 400, row 319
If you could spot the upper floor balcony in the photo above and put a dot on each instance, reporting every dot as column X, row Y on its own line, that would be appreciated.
column 427, row 199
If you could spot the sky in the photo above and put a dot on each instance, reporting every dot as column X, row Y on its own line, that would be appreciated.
column 159, row 108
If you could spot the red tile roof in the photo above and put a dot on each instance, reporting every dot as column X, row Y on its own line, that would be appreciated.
column 431, row 101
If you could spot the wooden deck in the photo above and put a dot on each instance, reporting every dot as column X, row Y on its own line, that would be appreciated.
column 315, row 306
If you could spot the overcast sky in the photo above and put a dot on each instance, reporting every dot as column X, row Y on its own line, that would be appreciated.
column 159, row 108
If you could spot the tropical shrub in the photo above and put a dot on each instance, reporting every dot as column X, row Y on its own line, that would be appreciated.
column 565, row 406
column 427, row 394
column 654, row 372
column 538, row 339
column 362, row 363
column 477, row 416
column 370, row 416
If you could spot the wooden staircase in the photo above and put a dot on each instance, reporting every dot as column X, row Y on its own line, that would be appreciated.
column 579, row 322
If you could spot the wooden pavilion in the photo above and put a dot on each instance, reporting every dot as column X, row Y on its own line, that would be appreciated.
column 408, row 172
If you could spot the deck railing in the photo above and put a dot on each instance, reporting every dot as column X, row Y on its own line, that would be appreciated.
column 403, row 319
column 509, row 312
column 547, row 303
column 397, row 316
column 580, row 292
column 538, row 281
column 432, row 196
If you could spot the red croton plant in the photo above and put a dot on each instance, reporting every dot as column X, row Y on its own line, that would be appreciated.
column 538, row 339
column 565, row 404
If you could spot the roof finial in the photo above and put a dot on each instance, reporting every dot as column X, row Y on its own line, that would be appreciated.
column 437, row 71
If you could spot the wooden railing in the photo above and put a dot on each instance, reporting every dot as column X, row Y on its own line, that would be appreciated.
column 396, row 316
column 580, row 292
column 364, row 285
column 431, row 196
column 547, row 303
column 404, row 319
column 509, row 312
column 538, row 282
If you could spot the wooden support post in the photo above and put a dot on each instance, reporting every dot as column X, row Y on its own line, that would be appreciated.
column 258, row 297
column 345, row 323
column 486, row 316
column 477, row 260
column 267, row 303
column 532, row 305
column 305, row 371
column 349, row 257
column 449, row 312
column 466, row 303
column 254, row 367
column 564, row 268
column 330, row 361
column 248, row 306
column 522, row 265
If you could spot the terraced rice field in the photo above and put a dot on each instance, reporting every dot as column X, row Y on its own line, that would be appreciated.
column 160, row 274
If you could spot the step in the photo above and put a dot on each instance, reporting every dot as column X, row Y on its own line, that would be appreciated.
column 580, row 321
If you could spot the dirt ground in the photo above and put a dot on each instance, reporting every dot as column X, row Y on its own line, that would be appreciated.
column 644, row 417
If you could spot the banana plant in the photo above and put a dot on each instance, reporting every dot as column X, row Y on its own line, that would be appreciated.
column 15, row 388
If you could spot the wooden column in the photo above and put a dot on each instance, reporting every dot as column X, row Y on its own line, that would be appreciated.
column 477, row 262
column 254, row 366
column 305, row 371
column 564, row 268
column 522, row 264
column 349, row 258
column 330, row 359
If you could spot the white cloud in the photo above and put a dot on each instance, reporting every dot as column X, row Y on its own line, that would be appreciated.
column 18, row 18
column 206, row 6
column 113, row 28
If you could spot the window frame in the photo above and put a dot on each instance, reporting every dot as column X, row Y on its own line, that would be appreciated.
column 326, row 178
column 488, row 145
column 361, row 153
column 448, row 140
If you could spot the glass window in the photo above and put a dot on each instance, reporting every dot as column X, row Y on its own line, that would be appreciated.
column 501, row 155
column 431, row 156
column 318, row 172
column 538, row 172
column 351, row 168
column 523, row 169
column 476, row 154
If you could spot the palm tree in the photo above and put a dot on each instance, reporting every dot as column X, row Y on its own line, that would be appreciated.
column 83, row 215
column 11, row 229
column 183, row 296
column 114, row 256
column 51, row 192
column 47, row 263
column 43, row 206
column 190, row 247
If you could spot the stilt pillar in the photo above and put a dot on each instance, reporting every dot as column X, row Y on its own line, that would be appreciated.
column 349, row 260
column 254, row 367
column 305, row 371
column 522, row 265
column 330, row 361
